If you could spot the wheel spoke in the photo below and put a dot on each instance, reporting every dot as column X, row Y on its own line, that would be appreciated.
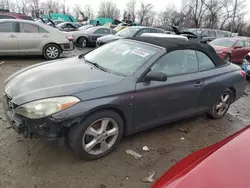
column 220, row 111
column 218, row 106
column 104, row 146
column 225, row 98
column 92, row 132
column 104, row 124
column 90, row 145
column 112, row 132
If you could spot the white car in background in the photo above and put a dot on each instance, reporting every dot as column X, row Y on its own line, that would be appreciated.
column 22, row 37
column 164, row 35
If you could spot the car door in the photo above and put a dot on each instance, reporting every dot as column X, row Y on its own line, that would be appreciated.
column 212, row 87
column 99, row 33
column 159, row 102
column 8, row 37
column 246, row 48
column 238, row 52
column 32, row 38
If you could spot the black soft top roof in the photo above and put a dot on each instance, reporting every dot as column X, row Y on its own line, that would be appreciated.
column 178, row 44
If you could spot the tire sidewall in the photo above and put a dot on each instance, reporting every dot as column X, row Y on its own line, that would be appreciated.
column 214, row 114
column 46, row 48
column 77, row 132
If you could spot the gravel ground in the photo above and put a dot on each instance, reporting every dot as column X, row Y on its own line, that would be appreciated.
column 39, row 163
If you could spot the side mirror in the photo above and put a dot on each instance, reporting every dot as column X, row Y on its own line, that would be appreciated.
column 156, row 76
column 236, row 47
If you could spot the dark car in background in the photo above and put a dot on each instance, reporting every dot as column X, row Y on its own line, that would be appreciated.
column 13, row 15
column 232, row 49
column 133, row 31
column 207, row 35
column 221, row 165
column 68, row 26
column 120, row 89
column 89, row 36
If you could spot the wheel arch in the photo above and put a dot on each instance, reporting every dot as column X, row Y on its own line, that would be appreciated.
column 114, row 108
column 52, row 43
column 234, row 92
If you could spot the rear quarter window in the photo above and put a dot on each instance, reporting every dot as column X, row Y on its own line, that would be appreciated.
column 205, row 63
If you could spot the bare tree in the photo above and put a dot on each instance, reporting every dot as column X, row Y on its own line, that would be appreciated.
column 77, row 10
column 145, row 12
column 108, row 9
column 197, row 9
column 88, row 11
column 130, row 8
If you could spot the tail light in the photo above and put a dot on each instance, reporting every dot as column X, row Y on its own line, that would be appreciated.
column 242, row 73
column 70, row 38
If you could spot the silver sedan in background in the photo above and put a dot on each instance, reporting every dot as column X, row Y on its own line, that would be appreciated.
column 22, row 37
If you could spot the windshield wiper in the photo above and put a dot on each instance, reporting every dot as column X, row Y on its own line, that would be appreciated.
column 96, row 65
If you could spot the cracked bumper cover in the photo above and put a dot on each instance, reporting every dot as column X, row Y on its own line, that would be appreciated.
column 44, row 127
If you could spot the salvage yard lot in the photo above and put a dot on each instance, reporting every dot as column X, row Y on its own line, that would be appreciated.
column 39, row 163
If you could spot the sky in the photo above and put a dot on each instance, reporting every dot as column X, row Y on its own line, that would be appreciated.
column 159, row 5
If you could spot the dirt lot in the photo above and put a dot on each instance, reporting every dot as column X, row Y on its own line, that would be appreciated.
column 39, row 163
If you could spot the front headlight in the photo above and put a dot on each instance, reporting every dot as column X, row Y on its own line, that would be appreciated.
column 45, row 107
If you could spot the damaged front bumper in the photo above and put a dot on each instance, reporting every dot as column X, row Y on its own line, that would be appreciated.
column 30, row 128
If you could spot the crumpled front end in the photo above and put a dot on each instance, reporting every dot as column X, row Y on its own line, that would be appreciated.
column 30, row 128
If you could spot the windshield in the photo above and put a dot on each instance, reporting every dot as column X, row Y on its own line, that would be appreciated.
column 121, row 57
column 223, row 42
column 60, row 24
column 127, row 32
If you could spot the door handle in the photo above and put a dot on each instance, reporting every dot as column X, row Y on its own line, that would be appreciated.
column 198, row 84
column 45, row 36
column 12, row 36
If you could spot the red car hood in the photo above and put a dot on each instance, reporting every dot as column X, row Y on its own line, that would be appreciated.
column 221, row 48
column 222, row 165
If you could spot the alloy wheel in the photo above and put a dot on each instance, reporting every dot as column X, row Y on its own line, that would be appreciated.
column 52, row 52
column 100, row 136
column 84, row 43
column 223, row 104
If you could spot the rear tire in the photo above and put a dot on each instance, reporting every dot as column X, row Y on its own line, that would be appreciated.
column 222, row 105
column 51, row 51
column 97, row 135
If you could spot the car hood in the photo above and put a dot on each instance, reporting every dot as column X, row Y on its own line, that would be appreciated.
column 55, row 78
column 221, row 48
column 109, row 38
column 225, row 164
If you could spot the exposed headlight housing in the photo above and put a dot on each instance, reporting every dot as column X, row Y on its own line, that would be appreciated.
column 45, row 107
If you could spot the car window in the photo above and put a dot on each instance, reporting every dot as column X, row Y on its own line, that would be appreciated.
column 28, row 28
column 240, row 43
column 220, row 34
column 205, row 62
column 153, row 30
column 143, row 31
column 6, row 17
column 247, row 43
column 177, row 62
column 7, row 27
column 225, row 34
column 160, row 31
column 102, row 31
column 205, row 33
column 211, row 34
column 113, row 32
column 41, row 30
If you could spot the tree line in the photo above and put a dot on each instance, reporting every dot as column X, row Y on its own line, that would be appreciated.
column 216, row 14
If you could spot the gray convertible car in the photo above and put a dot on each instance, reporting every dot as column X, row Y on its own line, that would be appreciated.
column 89, row 36
column 119, row 89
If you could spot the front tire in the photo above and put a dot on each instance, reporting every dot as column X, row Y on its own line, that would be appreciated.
column 83, row 42
column 222, row 105
column 51, row 51
column 97, row 135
